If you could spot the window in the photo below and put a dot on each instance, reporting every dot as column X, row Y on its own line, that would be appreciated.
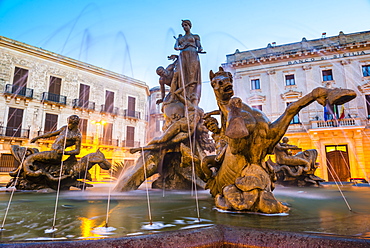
column 257, row 107
column 83, row 99
column 366, row 70
column 289, row 80
column 158, row 125
column 327, row 75
column 255, row 84
column 131, row 106
column 51, row 122
column 8, row 162
column 367, row 99
column 53, row 94
column 295, row 119
column 20, row 81
column 107, row 134
column 130, row 136
column 109, row 101
column 55, row 85
column 83, row 128
column 14, row 125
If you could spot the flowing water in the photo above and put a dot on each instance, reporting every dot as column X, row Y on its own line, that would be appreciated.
column 81, row 213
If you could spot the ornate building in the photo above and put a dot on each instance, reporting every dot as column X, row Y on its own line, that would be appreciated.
column 41, row 89
column 272, row 77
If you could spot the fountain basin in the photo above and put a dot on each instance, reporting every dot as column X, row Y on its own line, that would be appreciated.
column 317, row 215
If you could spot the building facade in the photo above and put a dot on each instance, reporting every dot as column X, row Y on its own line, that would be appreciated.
column 155, row 115
column 272, row 77
column 41, row 89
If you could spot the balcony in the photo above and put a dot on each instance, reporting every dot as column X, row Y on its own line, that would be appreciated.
column 87, row 105
column 14, row 132
column 11, row 89
column 108, row 142
column 54, row 98
column 109, row 109
column 346, row 122
column 131, row 113
column 130, row 143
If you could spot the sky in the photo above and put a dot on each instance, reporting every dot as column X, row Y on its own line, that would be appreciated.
column 134, row 37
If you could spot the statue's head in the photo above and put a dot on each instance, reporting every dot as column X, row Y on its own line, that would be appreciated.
column 161, row 71
column 222, row 84
column 186, row 23
column 285, row 140
column 73, row 120
column 211, row 124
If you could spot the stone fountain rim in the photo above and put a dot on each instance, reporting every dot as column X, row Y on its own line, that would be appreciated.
column 213, row 236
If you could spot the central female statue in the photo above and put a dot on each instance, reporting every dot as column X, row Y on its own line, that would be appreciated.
column 189, row 71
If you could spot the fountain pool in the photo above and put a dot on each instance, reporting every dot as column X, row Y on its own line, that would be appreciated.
column 313, row 210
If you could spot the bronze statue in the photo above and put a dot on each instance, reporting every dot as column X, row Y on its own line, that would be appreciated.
column 168, row 76
column 181, row 148
column 244, row 181
column 296, row 170
column 67, row 136
column 211, row 163
column 40, row 170
column 237, row 175
column 189, row 64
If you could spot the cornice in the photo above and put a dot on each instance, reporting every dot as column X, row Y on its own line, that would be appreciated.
column 297, row 56
column 69, row 62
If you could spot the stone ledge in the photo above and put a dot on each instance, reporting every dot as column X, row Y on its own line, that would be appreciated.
column 215, row 236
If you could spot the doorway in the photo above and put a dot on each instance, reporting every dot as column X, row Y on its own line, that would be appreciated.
column 337, row 162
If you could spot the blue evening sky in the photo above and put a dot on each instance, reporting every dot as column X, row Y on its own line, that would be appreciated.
column 135, row 37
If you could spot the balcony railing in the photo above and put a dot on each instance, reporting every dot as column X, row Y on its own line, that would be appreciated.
column 77, row 103
column 108, row 142
column 336, row 123
column 130, row 143
column 51, row 97
column 109, row 109
column 131, row 113
column 19, row 91
column 14, row 132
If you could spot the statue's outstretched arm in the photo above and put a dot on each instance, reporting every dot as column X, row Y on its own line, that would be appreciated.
column 49, row 134
column 214, row 112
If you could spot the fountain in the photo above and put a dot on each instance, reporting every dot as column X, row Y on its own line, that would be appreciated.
column 240, row 181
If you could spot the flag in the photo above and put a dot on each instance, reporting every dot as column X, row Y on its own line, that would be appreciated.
column 325, row 113
column 341, row 113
